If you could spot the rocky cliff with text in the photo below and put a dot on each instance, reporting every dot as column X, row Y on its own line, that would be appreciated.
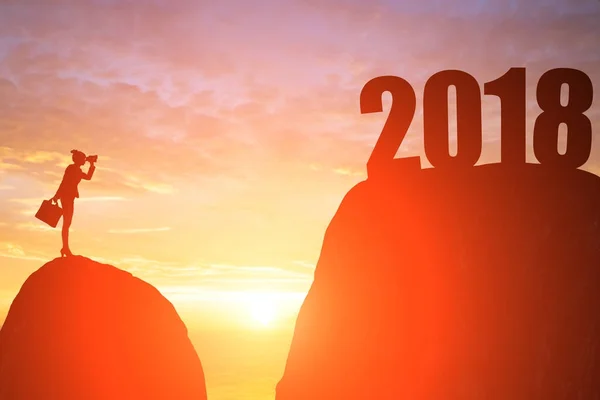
column 477, row 283
column 79, row 329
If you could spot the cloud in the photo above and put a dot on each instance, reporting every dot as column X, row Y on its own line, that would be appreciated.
column 215, row 276
column 305, row 264
column 4, row 166
column 13, row 250
column 102, row 199
column 137, row 183
column 36, row 201
column 39, row 157
column 349, row 172
column 249, row 270
column 35, row 227
column 28, row 207
column 139, row 230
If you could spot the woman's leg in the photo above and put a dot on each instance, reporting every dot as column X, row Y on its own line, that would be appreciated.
column 68, row 208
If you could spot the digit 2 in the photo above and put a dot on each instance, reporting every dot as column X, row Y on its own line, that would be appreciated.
column 399, row 119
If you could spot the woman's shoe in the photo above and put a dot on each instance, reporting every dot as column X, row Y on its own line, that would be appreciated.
column 65, row 252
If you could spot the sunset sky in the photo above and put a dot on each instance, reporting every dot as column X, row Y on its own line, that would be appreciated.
column 228, row 132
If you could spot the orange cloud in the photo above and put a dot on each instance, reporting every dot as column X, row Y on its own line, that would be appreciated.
column 139, row 230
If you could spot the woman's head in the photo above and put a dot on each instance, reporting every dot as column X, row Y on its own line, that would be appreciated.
column 78, row 157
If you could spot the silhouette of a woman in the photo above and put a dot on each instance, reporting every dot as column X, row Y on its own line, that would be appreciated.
column 67, row 191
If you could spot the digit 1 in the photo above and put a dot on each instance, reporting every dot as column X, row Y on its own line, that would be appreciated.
column 468, row 116
column 401, row 114
column 510, row 88
column 545, row 129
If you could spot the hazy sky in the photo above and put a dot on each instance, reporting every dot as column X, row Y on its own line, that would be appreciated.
column 228, row 132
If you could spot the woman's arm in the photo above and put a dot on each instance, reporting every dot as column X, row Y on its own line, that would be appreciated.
column 90, row 172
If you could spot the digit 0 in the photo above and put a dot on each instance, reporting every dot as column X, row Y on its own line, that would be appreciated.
column 579, row 127
column 468, row 116
column 399, row 119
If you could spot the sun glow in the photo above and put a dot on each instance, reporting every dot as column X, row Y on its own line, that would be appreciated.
column 254, row 310
column 262, row 311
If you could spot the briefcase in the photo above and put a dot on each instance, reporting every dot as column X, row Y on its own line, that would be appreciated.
column 49, row 213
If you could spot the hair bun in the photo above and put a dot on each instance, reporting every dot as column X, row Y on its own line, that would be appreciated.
column 74, row 151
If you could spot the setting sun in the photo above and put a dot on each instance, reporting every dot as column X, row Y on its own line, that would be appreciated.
column 262, row 311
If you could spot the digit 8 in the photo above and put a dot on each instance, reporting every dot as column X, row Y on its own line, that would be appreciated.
column 545, row 131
